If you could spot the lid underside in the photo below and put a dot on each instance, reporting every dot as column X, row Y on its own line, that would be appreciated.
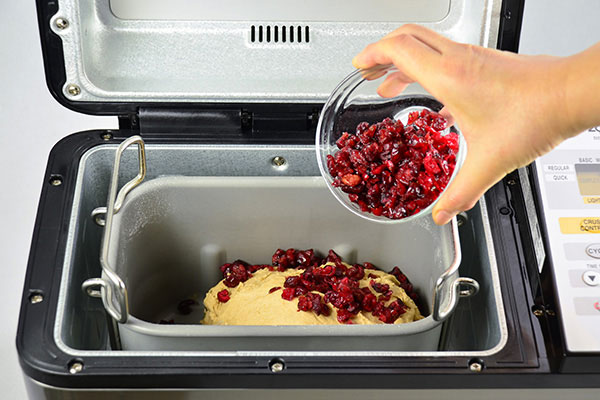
column 235, row 51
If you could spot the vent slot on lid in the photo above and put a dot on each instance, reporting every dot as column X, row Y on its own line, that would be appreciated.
column 279, row 34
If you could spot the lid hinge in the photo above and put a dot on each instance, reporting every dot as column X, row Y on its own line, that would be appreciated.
column 187, row 122
column 260, row 120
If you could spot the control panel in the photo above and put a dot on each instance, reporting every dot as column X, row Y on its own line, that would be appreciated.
column 569, row 182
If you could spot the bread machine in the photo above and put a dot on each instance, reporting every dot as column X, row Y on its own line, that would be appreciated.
column 222, row 101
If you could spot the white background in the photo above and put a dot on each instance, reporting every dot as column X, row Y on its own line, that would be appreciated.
column 31, row 122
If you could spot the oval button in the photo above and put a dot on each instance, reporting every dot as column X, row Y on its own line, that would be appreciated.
column 591, row 278
column 593, row 250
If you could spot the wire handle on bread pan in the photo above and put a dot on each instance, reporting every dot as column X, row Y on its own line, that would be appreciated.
column 112, row 290
column 456, row 291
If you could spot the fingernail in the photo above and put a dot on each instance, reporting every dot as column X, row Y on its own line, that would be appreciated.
column 442, row 217
column 357, row 60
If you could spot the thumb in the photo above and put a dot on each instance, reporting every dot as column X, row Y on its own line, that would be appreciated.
column 474, row 178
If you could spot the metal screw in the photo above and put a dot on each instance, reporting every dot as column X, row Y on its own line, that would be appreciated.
column 61, row 23
column 56, row 181
column 73, row 89
column 107, row 136
column 550, row 313
column 475, row 367
column 278, row 161
column 504, row 210
column 36, row 298
column 511, row 182
column 277, row 367
column 538, row 312
column 75, row 367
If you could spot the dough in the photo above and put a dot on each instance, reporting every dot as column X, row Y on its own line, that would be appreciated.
column 251, row 303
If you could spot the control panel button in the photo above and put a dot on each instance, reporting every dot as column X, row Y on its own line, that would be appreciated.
column 591, row 278
column 587, row 306
column 593, row 250
column 576, row 225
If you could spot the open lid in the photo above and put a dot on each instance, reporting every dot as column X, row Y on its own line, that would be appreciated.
column 112, row 56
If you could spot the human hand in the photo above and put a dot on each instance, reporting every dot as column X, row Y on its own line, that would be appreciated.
column 510, row 108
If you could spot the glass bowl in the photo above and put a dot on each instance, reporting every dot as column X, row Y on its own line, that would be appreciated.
column 356, row 100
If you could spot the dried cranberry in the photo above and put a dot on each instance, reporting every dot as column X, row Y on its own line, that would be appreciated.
column 369, row 302
column 357, row 272
column 343, row 316
column 368, row 265
column 393, row 170
column 334, row 284
column 292, row 281
column 223, row 296
column 288, row 294
column 379, row 287
column 312, row 302
column 333, row 257
column 328, row 270
column 385, row 297
column 231, row 281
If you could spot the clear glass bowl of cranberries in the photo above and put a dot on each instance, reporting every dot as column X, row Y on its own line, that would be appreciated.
column 386, row 159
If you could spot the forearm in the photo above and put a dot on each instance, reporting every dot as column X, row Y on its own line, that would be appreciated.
column 582, row 90
column 511, row 108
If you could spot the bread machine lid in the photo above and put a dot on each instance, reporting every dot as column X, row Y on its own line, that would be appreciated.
column 110, row 56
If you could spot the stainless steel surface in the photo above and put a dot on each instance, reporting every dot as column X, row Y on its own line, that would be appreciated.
column 196, row 59
column 89, row 286
column 173, row 230
column 455, row 292
column 37, row 391
column 241, row 10
column 99, row 216
column 80, row 329
column 114, row 291
column 439, row 313
column 532, row 219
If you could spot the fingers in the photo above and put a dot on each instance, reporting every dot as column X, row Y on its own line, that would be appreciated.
column 431, row 38
column 446, row 114
column 475, row 177
column 393, row 85
column 410, row 55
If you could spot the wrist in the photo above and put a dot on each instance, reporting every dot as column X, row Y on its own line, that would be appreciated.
column 582, row 90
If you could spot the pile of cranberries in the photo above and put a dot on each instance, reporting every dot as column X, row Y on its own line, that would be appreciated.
column 392, row 169
column 318, row 287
